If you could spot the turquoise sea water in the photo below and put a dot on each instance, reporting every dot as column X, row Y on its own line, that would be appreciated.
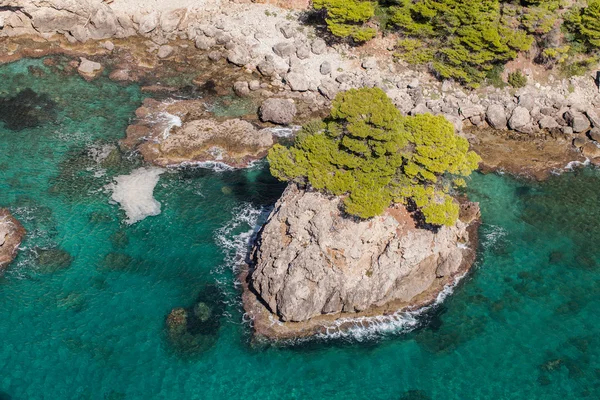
column 83, row 307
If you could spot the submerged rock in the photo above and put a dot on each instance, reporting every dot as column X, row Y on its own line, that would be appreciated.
column 27, row 109
column 11, row 235
column 312, row 265
column 53, row 259
column 195, row 329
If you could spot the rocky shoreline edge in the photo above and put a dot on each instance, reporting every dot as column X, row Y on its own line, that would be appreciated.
column 261, row 51
column 269, row 325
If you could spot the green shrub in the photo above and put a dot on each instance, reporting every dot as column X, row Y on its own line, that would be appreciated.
column 347, row 18
column 517, row 79
column 584, row 24
column 468, row 37
column 373, row 156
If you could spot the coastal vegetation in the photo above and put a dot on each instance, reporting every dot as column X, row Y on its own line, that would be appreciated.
column 471, row 40
column 369, row 153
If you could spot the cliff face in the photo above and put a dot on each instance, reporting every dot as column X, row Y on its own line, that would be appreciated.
column 309, row 260
column 11, row 234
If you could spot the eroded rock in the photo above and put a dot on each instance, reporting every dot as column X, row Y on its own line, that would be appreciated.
column 278, row 111
column 311, row 261
column 11, row 235
column 182, row 132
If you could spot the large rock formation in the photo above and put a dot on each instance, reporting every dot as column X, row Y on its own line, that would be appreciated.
column 11, row 234
column 180, row 132
column 312, row 263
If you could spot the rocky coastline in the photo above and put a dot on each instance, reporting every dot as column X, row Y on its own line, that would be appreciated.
column 187, row 53
column 266, row 52
column 11, row 235
column 312, row 267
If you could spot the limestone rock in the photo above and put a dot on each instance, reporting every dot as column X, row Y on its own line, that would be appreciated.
column 239, row 56
column 325, row 68
column 471, row 110
column 590, row 150
column 310, row 260
column 578, row 121
column 519, row 119
column 278, row 111
column 595, row 134
column 547, row 122
column 527, row 101
column 318, row 46
column 89, row 69
column 297, row 81
column 148, row 22
column 11, row 234
column 284, row 49
column 173, row 133
column 205, row 42
column 165, row 51
column 241, row 88
column 496, row 116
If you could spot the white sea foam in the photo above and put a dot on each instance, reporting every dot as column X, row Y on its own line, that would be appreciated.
column 573, row 164
column 134, row 192
column 99, row 153
column 215, row 166
column 235, row 237
column 171, row 122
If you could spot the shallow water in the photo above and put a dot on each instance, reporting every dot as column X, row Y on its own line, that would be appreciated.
column 83, row 308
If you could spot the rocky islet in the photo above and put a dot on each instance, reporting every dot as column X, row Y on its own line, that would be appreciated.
column 290, row 70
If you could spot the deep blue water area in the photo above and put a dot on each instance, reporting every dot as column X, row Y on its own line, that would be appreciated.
column 83, row 307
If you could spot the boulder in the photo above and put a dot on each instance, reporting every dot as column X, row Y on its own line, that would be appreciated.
column 519, row 119
column 239, row 56
column 593, row 117
column 278, row 111
column 471, row 110
column 496, row 116
column 590, row 150
column 287, row 30
column 284, row 49
column 165, row 51
column 547, row 122
column 148, row 22
column 577, row 120
column 169, row 20
column 11, row 235
column 329, row 88
column 325, row 68
column 266, row 67
column 297, row 81
column 369, row 63
column 241, row 88
column 420, row 109
column 310, row 260
column 594, row 134
column 89, row 69
column 318, row 46
column 303, row 52
column 527, row 101
column 413, row 84
column 205, row 42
